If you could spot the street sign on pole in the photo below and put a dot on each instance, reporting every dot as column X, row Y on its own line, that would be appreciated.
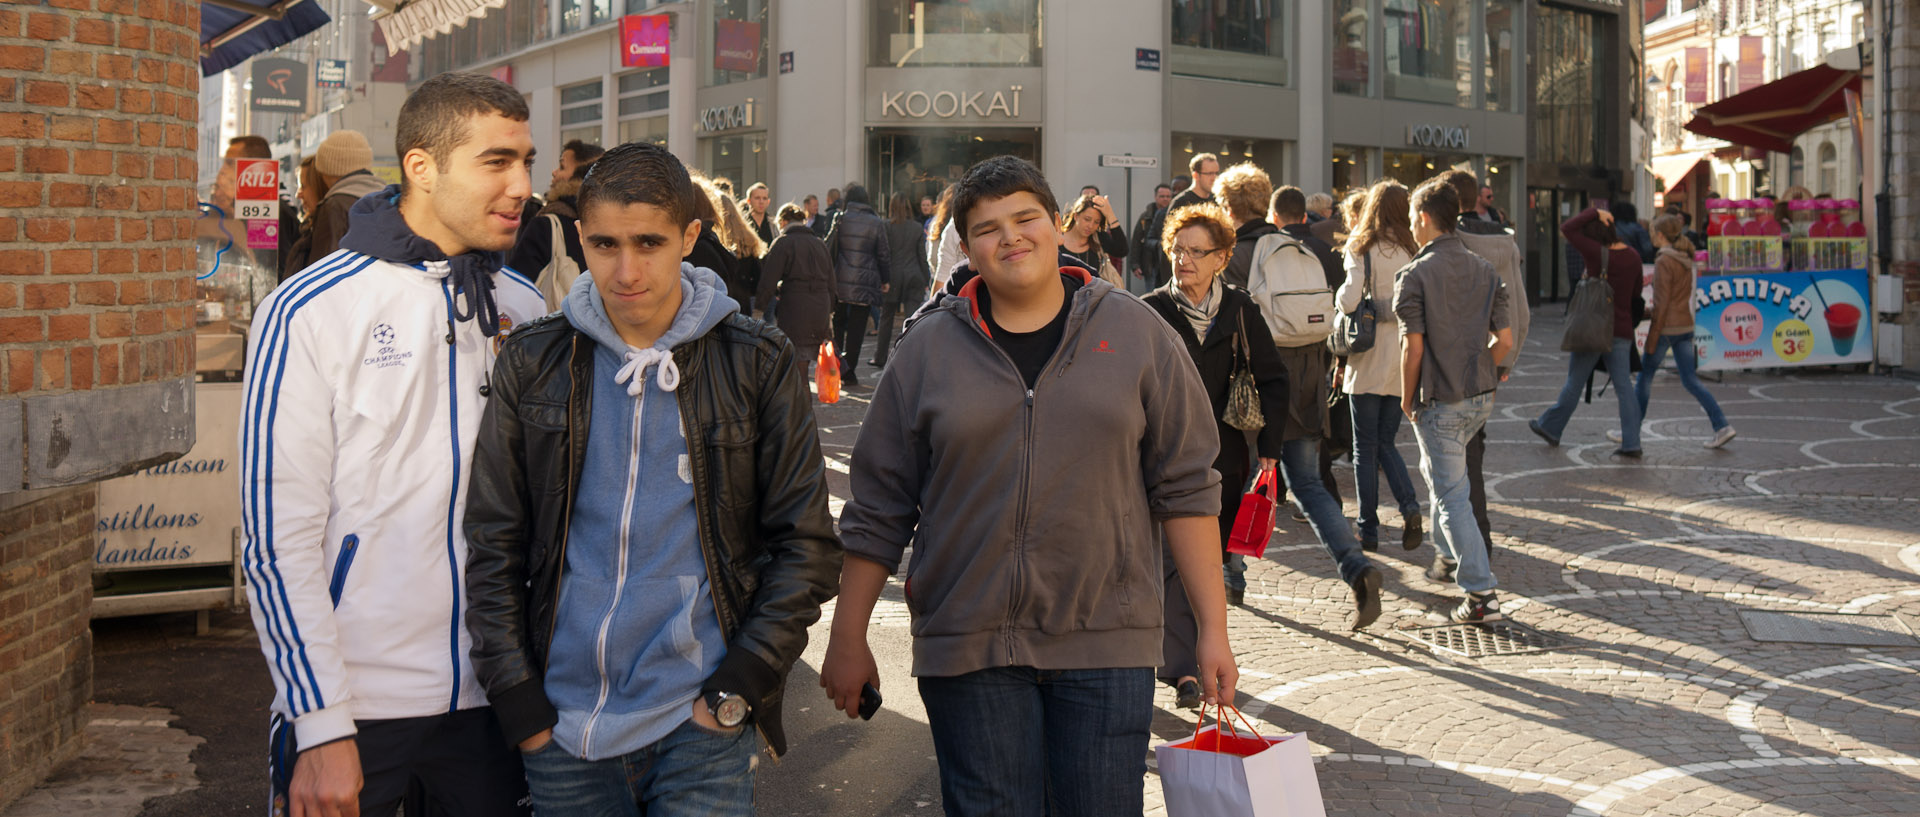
column 257, row 189
column 1128, row 160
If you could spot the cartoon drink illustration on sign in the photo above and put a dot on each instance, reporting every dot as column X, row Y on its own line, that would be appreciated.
column 1766, row 319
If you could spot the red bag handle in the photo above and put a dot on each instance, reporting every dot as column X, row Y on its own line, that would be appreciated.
column 1218, row 711
column 1268, row 479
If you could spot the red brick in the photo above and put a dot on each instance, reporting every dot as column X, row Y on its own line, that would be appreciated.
column 92, row 162
column 73, row 128
column 50, row 94
column 114, row 262
column 46, row 160
column 20, row 194
column 9, row 159
column 9, row 90
column 68, row 194
column 114, row 66
column 120, row 7
column 136, row 229
column 22, row 330
column 93, row 229
column 9, row 228
column 47, row 296
column 173, row 136
column 132, row 165
column 22, row 262
column 115, row 132
column 152, row 197
column 93, row 32
column 113, row 197
column 136, row 100
column 153, row 261
column 76, row 5
column 9, row 24
column 151, row 134
column 19, row 379
column 53, row 372
column 134, row 36
column 94, row 97
column 71, row 262
column 108, row 360
column 176, row 318
column 49, row 229
column 113, row 324
column 73, row 64
column 23, row 126
column 48, row 27
column 81, row 368
column 22, row 57
column 151, row 70
column 179, row 198
column 9, row 299
column 96, row 293
column 69, row 327
column 149, row 321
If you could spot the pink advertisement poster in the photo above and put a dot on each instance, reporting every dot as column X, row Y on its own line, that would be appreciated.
column 1696, row 76
column 643, row 40
column 263, row 234
column 1753, row 63
column 736, row 46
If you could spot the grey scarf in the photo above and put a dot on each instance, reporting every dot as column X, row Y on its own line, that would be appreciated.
column 1199, row 315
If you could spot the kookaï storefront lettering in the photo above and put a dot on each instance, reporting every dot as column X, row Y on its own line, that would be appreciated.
column 1437, row 136
column 949, row 104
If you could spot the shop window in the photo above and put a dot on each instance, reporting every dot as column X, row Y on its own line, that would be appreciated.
column 1503, row 55
column 1830, row 172
column 1267, row 154
column 1501, row 176
column 739, row 41
column 527, row 23
column 1568, row 125
column 742, row 158
column 1243, row 40
column 944, row 32
column 1429, row 51
column 1414, row 169
column 923, row 161
column 652, row 130
column 1352, row 58
column 1797, row 167
column 643, row 94
column 1349, row 170
column 581, row 112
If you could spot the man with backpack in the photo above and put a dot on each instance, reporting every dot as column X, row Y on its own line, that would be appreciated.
column 1292, row 277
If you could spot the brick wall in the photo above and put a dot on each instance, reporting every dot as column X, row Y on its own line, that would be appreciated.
column 98, row 112
column 46, row 673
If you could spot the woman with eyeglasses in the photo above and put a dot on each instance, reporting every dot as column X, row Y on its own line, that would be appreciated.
column 1223, row 332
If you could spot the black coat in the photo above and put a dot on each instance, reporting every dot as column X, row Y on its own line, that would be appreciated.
column 909, row 272
column 1215, row 358
column 861, row 264
column 759, row 489
column 710, row 253
column 798, row 271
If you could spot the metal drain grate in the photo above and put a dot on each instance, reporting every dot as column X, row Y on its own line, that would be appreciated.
column 1832, row 629
column 1478, row 640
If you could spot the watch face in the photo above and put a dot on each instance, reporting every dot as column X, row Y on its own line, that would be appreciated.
column 732, row 712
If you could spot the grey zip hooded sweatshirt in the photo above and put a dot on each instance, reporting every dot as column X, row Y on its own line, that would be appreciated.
column 1032, row 512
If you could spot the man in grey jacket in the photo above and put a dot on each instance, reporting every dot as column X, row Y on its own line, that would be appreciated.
column 1028, row 436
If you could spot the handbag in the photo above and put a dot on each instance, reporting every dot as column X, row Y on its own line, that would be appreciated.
column 1229, row 774
column 826, row 374
column 1243, row 396
column 1353, row 332
column 1589, row 317
column 1253, row 524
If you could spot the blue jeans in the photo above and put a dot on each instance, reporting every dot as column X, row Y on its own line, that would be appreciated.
column 1579, row 368
column 1025, row 742
column 691, row 772
column 1444, row 430
column 1300, row 462
column 1684, row 358
column 1376, row 422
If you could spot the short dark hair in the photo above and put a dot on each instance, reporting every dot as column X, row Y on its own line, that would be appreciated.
column 1466, row 188
column 583, row 152
column 434, row 117
column 1159, row 187
column 642, row 173
column 1094, row 187
column 857, row 194
column 833, row 193
column 1193, row 164
column 1438, row 199
column 1624, row 211
column 251, row 147
column 998, row 178
column 1288, row 204
column 790, row 213
column 809, row 197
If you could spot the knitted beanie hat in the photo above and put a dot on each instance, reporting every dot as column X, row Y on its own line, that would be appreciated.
column 343, row 152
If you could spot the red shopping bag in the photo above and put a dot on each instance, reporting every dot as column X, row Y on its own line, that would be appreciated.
column 1223, row 773
column 826, row 374
column 1254, row 524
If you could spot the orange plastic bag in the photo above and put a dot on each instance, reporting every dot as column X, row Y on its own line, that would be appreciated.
column 826, row 374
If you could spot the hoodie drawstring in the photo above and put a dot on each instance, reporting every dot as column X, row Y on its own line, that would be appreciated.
column 633, row 373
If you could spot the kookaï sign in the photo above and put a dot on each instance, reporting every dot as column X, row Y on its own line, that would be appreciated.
column 1438, row 136
column 950, row 104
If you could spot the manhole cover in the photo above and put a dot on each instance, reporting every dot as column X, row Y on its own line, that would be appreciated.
column 1492, row 638
column 1834, row 629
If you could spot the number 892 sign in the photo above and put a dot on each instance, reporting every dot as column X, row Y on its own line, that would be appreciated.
column 258, row 190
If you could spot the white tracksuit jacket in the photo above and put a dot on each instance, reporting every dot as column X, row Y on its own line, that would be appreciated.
column 356, row 436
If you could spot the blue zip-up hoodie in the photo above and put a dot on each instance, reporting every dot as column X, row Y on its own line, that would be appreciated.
column 635, row 633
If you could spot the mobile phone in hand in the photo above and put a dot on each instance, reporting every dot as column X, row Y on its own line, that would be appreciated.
column 869, row 701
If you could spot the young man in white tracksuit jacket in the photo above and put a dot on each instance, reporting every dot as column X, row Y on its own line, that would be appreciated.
column 366, row 377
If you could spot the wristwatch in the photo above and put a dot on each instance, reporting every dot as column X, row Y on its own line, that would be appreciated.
column 728, row 709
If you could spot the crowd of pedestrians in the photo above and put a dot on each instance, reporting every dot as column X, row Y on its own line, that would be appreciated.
column 563, row 550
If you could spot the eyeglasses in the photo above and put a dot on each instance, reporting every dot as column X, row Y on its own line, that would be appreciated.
column 1185, row 253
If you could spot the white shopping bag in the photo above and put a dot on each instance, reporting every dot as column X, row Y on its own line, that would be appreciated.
column 1239, row 775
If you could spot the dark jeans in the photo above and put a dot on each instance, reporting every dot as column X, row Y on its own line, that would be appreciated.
column 849, row 331
column 1477, row 486
column 1324, row 514
column 1376, row 423
column 692, row 772
column 1025, row 742
column 900, row 302
column 455, row 763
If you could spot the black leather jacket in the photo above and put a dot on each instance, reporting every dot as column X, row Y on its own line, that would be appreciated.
column 861, row 259
column 760, row 491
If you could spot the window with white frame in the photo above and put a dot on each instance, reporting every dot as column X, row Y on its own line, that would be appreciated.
column 643, row 105
column 581, row 112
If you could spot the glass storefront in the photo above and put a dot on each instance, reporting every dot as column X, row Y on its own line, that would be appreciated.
column 1414, row 169
column 1569, row 123
column 1350, row 169
column 1429, row 51
column 1242, row 40
column 651, row 129
column 740, row 157
column 1504, row 53
column 980, row 32
column 739, row 41
column 1269, row 154
column 923, row 161
column 1352, row 54
column 580, row 112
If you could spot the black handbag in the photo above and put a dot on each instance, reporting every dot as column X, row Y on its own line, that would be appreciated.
column 1589, row 317
column 1353, row 331
column 1243, row 409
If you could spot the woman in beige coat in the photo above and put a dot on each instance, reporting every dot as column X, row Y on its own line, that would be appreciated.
column 1381, row 243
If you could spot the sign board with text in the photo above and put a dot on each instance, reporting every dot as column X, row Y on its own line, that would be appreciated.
column 257, row 194
column 1771, row 319
column 736, row 46
column 644, row 40
column 1146, row 59
column 330, row 74
column 1753, row 63
column 180, row 513
column 279, row 86
column 1696, row 78
column 1128, row 160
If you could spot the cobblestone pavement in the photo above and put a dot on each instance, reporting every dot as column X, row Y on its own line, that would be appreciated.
column 1659, row 703
column 132, row 754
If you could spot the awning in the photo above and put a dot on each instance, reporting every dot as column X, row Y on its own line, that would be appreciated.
column 1676, row 168
column 233, row 30
column 411, row 23
column 1770, row 116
